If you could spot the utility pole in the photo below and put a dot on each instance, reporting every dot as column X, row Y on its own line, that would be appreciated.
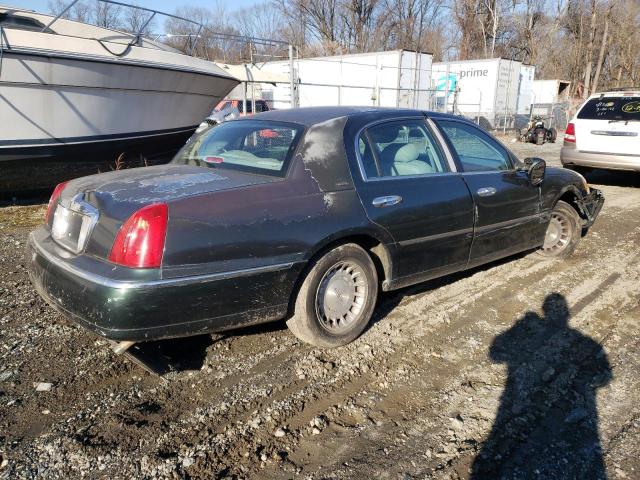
column 292, row 78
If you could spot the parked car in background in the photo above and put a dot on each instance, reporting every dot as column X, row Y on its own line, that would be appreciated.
column 261, row 106
column 605, row 133
column 303, row 214
column 230, row 110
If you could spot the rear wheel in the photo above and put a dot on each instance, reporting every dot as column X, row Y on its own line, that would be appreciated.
column 563, row 233
column 552, row 135
column 336, row 299
column 539, row 137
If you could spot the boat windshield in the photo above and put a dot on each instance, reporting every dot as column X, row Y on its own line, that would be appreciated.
column 18, row 22
column 263, row 147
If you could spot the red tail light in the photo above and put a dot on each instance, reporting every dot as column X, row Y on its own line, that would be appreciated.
column 570, row 134
column 140, row 240
column 53, row 201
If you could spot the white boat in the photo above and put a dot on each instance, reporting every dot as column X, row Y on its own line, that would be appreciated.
column 80, row 94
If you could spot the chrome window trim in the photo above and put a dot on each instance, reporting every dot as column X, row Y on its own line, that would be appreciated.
column 514, row 171
column 443, row 143
column 430, row 129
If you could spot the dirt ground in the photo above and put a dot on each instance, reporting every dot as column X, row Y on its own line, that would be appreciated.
column 520, row 369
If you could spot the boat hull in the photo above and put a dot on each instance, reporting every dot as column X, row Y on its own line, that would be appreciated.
column 34, row 170
column 84, row 111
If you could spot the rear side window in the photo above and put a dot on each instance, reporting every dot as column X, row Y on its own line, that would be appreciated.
column 476, row 150
column 611, row 108
column 263, row 147
column 400, row 148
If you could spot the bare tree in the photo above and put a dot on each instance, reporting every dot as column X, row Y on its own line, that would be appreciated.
column 590, row 49
column 592, row 43
column 135, row 20
column 80, row 12
column 106, row 15
column 603, row 46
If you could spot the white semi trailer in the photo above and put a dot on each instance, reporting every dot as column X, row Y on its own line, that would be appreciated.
column 525, row 90
column 397, row 78
column 485, row 90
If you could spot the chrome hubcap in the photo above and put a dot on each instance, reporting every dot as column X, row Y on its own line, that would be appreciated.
column 558, row 233
column 341, row 296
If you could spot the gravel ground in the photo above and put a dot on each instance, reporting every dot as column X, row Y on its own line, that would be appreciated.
column 521, row 369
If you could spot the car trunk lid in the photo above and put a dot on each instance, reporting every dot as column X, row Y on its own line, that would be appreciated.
column 91, row 209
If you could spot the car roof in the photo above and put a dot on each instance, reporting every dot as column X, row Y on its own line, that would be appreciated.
column 308, row 116
column 626, row 92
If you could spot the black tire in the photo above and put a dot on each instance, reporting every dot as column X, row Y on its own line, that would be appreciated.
column 553, row 135
column 539, row 137
column 563, row 233
column 311, row 323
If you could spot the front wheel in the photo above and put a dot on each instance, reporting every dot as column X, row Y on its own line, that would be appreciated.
column 563, row 233
column 336, row 299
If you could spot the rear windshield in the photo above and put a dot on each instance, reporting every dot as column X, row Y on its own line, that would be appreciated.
column 255, row 146
column 611, row 108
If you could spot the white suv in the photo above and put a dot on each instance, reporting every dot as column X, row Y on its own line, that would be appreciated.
column 605, row 133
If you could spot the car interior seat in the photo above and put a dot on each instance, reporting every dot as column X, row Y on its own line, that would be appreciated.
column 402, row 159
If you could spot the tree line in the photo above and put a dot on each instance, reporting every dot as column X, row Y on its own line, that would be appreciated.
column 595, row 44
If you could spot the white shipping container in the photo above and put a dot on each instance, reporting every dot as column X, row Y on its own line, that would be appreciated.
column 525, row 89
column 397, row 78
column 486, row 89
column 550, row 91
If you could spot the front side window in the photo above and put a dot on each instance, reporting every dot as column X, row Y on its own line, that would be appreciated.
column 476, row 150
column 263, row 147
column 400, row 148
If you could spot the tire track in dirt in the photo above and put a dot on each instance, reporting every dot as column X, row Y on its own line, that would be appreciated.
column 410, row 362
column 587, row 291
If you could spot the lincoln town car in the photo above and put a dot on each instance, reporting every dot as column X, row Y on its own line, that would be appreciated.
column 304, row 215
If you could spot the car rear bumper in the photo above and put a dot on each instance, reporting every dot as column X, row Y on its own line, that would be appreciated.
column 569, row 155
column 155, row 309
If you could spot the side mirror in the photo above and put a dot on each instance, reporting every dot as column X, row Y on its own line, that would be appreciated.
column 535, row 168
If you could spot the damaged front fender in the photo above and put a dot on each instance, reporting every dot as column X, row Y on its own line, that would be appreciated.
column 590, row 206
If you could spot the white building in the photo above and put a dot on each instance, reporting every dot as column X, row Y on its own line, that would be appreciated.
column 397, row 78
column 550, row 91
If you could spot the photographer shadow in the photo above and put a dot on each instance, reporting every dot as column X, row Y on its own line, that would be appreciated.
column 547, row 422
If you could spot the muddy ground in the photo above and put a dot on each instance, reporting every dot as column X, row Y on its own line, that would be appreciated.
column 521, row 369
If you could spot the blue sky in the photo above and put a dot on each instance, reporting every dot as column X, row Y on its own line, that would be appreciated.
column 162, row 5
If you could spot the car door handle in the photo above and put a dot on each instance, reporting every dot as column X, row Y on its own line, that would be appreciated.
column 386, row 201
column 486, row 191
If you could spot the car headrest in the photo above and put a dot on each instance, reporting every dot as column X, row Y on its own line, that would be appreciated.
column 385, row 134
column 406, row 153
